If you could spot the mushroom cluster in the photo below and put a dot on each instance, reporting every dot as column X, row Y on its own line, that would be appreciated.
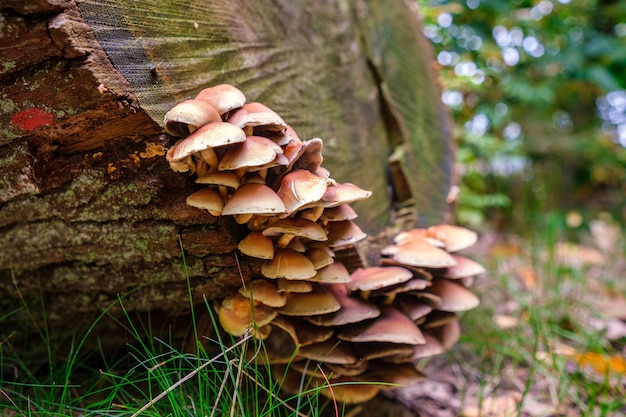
column 374, row 324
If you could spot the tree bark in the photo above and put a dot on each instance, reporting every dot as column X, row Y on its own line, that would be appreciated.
column 90, row 212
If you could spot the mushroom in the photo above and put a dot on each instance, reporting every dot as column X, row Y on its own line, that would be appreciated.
column 299, row 188
column 418, row 252
column 257, row 114
column 264, row 292
column 250, row 199
column 392, row 326
column 344, row 233
column 344, row 194
column 318, row 301
column 237, row 314
column 207, row 199
column 454, row 238
column 334, row 273
column 288, row 264
column 464, row 268
column 223, row 181
column 188, row 115
column 377, row 277
column 289, row 228
column 223, row 97
column 353, row 309
column 257, row 245
column 454, row 297
column 254, row 151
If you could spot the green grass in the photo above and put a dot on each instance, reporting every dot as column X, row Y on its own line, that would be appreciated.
column 154, row 378
column 552, row 308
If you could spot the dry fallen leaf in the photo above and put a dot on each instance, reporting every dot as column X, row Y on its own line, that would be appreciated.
column 501, row 406
column 505, row 322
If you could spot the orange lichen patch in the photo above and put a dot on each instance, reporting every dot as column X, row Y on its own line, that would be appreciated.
column 152, row 150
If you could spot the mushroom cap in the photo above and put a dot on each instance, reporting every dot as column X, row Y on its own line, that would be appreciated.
column 353, row 309
column 454, row 296
column 225, row 178
column 257, row 246
column 377, row 277
column 224, row 97
column 340, row 212
column 257, row 114
column 208, row 199
column 329, row 351
column 237, row 313
column 294, row 285
column 343, row 233
column 318, row 301
column 334, row 273
column 454, row 238
column 412, row 307
column 210, row 135
column 288, row 264
column 254, row 151
column 318, row 257
column 391, row 326
column 418, row 252
column 311, row 158
column 264, row 292
column 254, row 199
column 187, row 113
column 296, row 227
column 344, row 194
column 299, row 188
column 464, row 268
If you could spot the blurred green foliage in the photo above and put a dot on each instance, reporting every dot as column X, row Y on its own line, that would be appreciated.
column 537, row 91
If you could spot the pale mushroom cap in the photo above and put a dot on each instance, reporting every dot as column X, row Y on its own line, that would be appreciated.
column 254, row 199
column 311, row 158
column 257, row 114
column 392, row 326
column 464, row 268
column 454, row 238
column 224, row 97
column 299, row 188
column 377, row 277
column 454, row 296
column 344, row 194
column 254, row 151
column 257, row 246
column 264, row 292
column 319, row 257
column 297, row 227
column 418, row 252
column 318, row 301
column 288, row 264
column 187, row 113
column 340, row 212
column 208, row 199
column 211, row 135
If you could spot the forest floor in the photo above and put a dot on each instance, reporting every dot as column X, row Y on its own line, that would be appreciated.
column 549, row 338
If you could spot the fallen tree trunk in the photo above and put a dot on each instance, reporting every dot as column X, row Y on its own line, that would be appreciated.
column 90, row 211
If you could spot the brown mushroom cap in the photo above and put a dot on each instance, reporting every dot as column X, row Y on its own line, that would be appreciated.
column 211, row 135
column 454, row 296
column 257, row 246
column 188, row 115
column 318, row 257
column 311, row 158
column 294, row 285
column 264, row 292
column 392, row 326
column 237, row 313
column 288, row 264
column 343, row 233
column 224, row 97
column 377, row 277
column 208, row 199
column 254, row 199
column 329, row 351
column 340, row 212
column 227, row 179
column 318, row 301
column 334, row 273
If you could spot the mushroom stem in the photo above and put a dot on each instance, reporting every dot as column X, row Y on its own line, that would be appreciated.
column 223, row 191
column 312, row 214
column 284, row 240
column 210, row 157
column 243, row 218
